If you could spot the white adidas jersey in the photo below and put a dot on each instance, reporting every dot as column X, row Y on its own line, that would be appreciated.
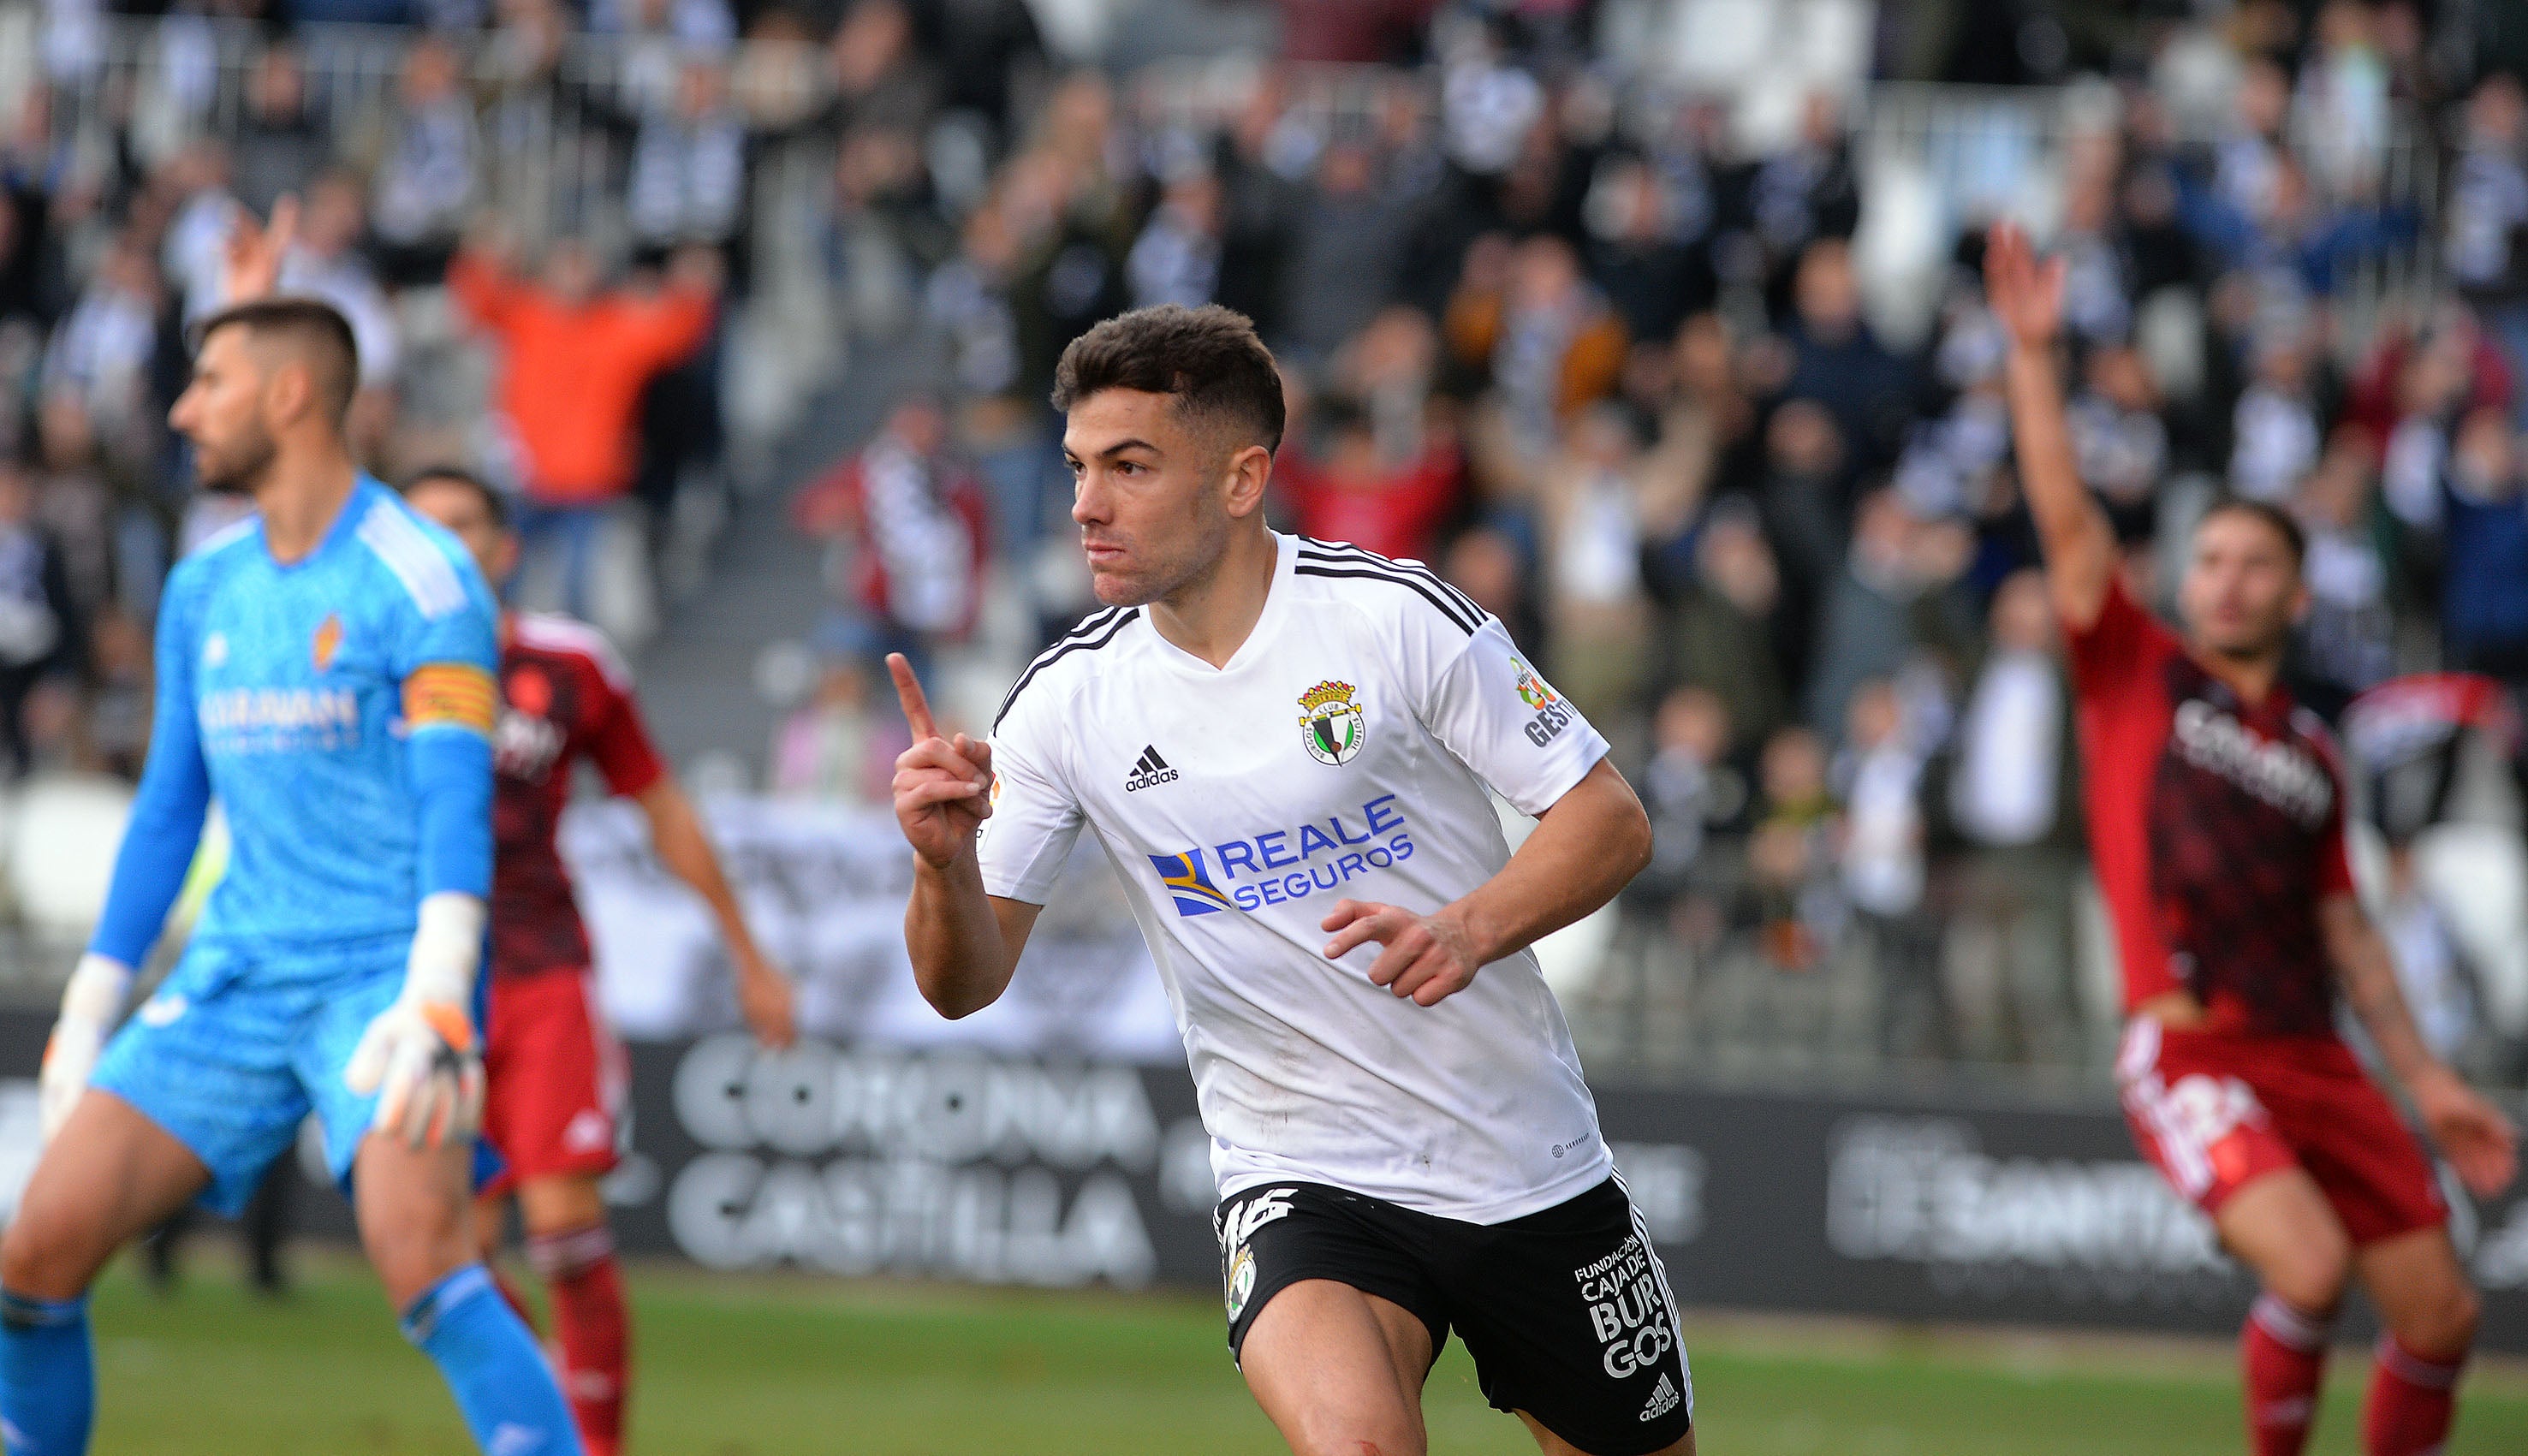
column 1343, row 752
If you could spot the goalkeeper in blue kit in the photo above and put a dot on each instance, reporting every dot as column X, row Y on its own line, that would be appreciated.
column 324, row 669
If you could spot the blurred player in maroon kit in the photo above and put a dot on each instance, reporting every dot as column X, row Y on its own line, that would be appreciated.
column 556, row 1073
column 2217, row 809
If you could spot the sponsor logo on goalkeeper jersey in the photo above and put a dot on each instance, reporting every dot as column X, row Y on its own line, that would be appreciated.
column 248, row 720
column 1280, row 865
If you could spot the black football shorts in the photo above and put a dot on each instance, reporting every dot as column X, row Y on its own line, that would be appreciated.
column 1566, row 1310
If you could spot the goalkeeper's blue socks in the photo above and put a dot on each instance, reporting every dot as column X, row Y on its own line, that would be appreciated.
column 47, row 1376
column 511, row 1399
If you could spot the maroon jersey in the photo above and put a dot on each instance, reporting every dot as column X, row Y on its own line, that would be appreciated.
column 564, row 696
column 2217, row 828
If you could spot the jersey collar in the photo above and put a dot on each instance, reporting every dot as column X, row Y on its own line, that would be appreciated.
column 1276, row 598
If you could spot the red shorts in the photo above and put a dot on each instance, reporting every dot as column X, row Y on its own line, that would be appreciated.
column 2216, row 1111
column 557, row 1079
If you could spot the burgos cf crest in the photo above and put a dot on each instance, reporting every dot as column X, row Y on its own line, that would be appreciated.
column 1330, row 724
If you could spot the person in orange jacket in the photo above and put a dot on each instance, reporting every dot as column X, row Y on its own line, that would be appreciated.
column 575, row 356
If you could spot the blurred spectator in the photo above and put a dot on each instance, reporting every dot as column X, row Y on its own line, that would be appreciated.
column 1724, row 631
column 1837, row 361
column 422, row 158
column 2484, row 599
column 1894, row 601
column 2276, row 426
column 1550, row 346
column 102, row 349
column 2487, row 248
column 1790, row 855
column 834, row 747
column 1591, row 510
column 1176, row 257
column 1346, row 241
column 327, row 263
column 282, row 143
column 908, row 530
column 574, row 358
column 688, row 170
column 1807, row 192
column 1342, row 486
column 39, row 625
column 2120, row 437
column 2347, row 637
column 2014, row 803
column 118, row 717
column 1880, row 860
column 698, row 26
column 1488, row 565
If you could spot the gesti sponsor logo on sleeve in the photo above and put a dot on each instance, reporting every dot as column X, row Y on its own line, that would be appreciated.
column 1281, row 866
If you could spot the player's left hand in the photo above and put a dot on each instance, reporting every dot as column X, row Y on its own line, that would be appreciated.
column 1427, row 957
column 2474, row 1134
column 420, row 1060
column 768, row 1001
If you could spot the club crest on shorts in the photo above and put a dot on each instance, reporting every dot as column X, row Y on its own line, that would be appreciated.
column 1241, row 1287
column 1330, row 724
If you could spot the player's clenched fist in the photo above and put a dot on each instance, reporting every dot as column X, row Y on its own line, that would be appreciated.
column 1427, row 957
column 943, row 787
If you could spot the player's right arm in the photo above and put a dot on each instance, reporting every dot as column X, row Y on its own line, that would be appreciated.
column 964, row 942
column 2071, row 529
column 158, row 844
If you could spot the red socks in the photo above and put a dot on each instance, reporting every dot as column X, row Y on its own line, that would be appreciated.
column 594, row 1328
column 2411, row 1402
column 2283, row 1353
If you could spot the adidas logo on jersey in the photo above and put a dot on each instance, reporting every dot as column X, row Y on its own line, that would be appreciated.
column 1149, row 772
column 1663, row 1399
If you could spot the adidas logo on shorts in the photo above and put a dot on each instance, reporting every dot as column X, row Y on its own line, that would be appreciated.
column 1151, row 773
column 1663, row 1398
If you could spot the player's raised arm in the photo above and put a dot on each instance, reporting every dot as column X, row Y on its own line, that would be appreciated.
column 158, row 844
column 965, row 943
column 2080, row 547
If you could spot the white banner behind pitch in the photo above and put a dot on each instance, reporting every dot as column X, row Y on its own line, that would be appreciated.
column 824, row 890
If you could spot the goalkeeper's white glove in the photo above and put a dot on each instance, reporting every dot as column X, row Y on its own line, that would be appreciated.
column 90, row 1002
column 420, row 1056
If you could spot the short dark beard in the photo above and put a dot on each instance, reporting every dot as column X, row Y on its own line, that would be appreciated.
column 248, row 476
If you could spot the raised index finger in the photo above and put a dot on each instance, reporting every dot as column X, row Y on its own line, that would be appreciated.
column 908, row 691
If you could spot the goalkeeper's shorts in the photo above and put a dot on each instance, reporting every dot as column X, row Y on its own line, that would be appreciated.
column 243, row 1040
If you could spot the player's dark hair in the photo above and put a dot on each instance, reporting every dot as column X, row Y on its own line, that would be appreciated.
column 313, row 327
column 494, row 504
column 2284, row 524
column 1209, row 358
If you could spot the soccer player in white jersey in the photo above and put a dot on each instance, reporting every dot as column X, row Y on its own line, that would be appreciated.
column 1288, row 751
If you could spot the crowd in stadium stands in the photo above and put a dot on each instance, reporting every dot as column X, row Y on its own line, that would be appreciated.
column 1609, row 371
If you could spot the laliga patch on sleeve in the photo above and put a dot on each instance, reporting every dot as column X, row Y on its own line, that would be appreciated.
column 458, row 695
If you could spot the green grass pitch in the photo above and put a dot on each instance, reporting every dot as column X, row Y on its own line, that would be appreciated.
column 768, row 1365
